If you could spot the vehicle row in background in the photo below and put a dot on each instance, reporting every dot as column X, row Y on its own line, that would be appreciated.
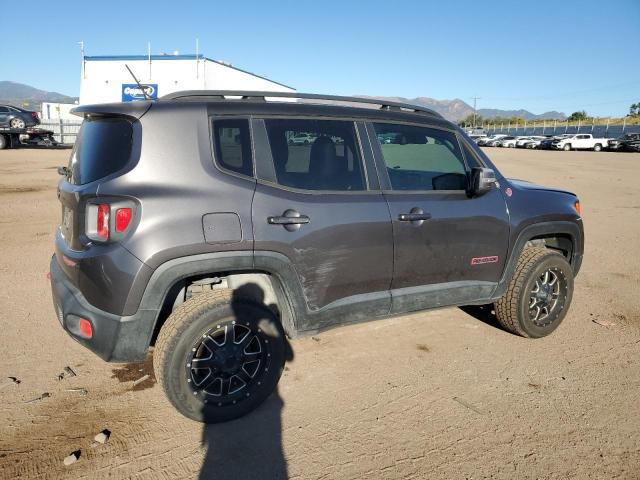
column 581, row 141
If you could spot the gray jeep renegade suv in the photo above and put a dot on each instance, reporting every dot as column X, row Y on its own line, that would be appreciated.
column 197, row 224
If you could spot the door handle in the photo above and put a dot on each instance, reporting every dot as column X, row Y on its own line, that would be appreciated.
column 284, row 220
column 413, row 217
column 291, row 220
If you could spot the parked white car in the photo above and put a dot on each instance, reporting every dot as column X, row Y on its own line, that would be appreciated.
column 491, row 138
column 508, row 141
column 580, row 141
column 522, row 141
column 301, row 139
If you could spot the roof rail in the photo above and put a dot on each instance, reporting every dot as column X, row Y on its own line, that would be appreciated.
column 262, row 96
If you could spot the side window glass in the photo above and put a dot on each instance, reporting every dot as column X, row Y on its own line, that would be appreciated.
column 421, row 158
column 316, row 154
column 232, row 143
column 469, row 156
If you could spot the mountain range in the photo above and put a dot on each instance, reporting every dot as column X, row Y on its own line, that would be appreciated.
column 22, row 95
column 457, row 109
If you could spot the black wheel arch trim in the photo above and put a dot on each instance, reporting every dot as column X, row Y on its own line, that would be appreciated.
column 552, row 228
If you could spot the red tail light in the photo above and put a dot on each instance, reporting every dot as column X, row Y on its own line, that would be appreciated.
column 105, row 222
column 34, row 115
column 102, row 221
column 123, row 219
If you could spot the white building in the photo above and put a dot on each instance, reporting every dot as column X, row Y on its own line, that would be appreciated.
column 57, row 111
column 105, row 79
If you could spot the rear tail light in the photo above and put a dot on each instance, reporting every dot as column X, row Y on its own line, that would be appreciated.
column 123, row 218
column 102, row 221
column 34, row 115
column 106, row 221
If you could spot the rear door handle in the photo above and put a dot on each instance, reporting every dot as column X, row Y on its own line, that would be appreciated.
column 291, row 220
column 284, row 220
column 413, row 217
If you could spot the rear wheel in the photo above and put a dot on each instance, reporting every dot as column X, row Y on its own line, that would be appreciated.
column 218, row 357
column 17, row 123
column 538, row 295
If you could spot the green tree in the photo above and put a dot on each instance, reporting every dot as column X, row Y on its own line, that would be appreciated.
column 575, row 116
column 634, row 110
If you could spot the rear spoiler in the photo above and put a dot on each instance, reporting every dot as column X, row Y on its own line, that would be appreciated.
column 134, row 110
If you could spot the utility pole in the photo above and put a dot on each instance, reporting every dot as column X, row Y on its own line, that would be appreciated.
column 475, row 99
column 81, row 43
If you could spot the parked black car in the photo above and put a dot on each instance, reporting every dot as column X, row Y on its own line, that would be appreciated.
column 628, row 142
column 18, row 118
column 212, row 238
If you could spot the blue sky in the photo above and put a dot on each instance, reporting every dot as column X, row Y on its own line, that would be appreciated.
column 538, row 55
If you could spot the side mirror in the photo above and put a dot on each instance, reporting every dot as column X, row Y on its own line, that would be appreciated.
column 482, row 180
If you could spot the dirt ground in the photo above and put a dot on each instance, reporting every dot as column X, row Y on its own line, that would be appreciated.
column 431, row 395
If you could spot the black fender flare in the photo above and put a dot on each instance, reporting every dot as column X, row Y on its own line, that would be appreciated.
column 559, row 227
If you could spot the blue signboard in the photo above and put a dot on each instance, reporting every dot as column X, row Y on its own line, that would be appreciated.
column 132, row 93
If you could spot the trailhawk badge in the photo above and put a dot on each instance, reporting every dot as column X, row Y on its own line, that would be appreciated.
column 483, row 260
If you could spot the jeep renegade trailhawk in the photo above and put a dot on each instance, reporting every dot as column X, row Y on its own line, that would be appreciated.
column 201, row 224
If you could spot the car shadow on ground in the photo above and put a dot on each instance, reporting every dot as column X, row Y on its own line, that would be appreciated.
column 249, row 447
column 484, row 313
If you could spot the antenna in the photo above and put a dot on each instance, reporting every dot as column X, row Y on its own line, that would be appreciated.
column 197, row 58
column 81, row 43
column 144, row 92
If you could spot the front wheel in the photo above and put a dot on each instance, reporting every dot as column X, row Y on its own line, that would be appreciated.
column 538, row 295
column 567, row 147
column 219, row 356
column 597, row 147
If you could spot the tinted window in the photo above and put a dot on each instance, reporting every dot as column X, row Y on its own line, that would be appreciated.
column 103, row 147
column 233, row 145
column 4, row 109
column 316, row 154
column 469, row 156
column 419, row 158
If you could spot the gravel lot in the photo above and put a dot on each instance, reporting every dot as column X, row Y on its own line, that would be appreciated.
column 431, row 395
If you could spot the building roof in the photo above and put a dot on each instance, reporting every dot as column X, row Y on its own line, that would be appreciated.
column 107, row 58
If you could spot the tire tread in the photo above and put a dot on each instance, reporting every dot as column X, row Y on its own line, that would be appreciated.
column 507, row 306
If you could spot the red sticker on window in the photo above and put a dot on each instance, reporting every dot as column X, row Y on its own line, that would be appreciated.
column 483, row 260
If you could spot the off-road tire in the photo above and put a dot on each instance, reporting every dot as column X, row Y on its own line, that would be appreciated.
column 186, row 328
column 512, row 309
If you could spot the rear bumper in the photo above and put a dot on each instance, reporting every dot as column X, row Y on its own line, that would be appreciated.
column 115, row 338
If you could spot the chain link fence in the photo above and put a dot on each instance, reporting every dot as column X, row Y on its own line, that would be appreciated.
column 551, row 127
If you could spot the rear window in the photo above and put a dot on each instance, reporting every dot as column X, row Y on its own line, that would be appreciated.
column 103, row 147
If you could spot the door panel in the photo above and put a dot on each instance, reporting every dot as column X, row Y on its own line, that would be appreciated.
column 448, row 248
column 313, row 206
column 345, row 249
column 441, row 249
